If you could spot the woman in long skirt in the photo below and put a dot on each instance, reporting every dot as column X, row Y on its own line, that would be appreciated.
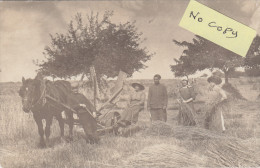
column 186, row 114
column 214, row 116
column 136, row 104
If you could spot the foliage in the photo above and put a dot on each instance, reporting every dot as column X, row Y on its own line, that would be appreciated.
column 253, row 72
column 108, row 46
column 252, row 61
column 201, row 54
column 233, row 74
column 237, row 74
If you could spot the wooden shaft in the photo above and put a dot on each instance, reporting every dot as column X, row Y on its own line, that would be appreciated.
column 67, row 107
column 111, row 99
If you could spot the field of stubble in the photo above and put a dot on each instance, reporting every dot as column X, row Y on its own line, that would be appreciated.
column 156, row 145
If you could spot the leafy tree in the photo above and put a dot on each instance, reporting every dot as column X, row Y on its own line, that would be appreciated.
column 108, row 46
column 252, row 61
column 201, row 54
column 183, row 67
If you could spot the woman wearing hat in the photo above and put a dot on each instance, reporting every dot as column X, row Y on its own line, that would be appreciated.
column 136, row 104
column 216, row 105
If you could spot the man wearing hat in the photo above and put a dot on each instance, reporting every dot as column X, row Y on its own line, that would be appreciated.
column 157, row 100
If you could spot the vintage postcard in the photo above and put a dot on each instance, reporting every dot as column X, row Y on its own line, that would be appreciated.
column 131, row 83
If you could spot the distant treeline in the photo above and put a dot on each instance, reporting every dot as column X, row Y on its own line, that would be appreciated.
column 237, row 74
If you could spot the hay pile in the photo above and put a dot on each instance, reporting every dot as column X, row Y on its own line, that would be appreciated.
column 130, row 130
column 165, row 155
column 217, row 150
column 186, row 116
column 159, row 128
column 234, row 92
column 231, row 154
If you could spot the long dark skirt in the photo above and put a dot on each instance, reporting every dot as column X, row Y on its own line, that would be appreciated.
column 186, row 114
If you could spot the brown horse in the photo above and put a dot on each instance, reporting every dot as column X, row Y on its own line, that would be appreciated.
column 33, row 93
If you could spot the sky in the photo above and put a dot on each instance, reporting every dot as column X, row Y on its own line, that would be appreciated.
column 25, row 27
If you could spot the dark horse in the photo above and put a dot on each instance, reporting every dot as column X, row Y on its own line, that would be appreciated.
column 34, row 98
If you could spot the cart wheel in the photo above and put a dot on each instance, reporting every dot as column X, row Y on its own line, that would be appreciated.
column 115, row 118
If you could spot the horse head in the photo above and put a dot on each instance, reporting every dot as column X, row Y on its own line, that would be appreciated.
column 30, row 93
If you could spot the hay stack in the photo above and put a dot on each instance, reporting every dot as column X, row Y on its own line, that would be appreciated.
column 234, row 93
column 231, row 154
column 130, row 130
column 158, row 128
column 182, row 132
column 219, row 150
column 186, row 116
column 165, row 155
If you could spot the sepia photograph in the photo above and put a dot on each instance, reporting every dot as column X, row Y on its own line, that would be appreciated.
column 129, row 83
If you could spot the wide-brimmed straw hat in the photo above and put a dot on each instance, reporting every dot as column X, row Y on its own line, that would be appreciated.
column 139, row 85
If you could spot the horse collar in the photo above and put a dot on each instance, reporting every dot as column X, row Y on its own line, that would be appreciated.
column 43, row 96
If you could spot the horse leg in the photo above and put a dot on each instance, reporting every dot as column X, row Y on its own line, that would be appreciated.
column 71, row 124
column 61, row 124
column 38, row 121
column 48, row 128
column 94, row 136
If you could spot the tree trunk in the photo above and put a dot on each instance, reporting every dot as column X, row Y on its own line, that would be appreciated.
column 226, row 76
column 80, row 82
column 187, row 77
column 82, row 77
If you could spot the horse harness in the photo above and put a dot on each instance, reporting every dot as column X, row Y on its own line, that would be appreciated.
column 44, row 96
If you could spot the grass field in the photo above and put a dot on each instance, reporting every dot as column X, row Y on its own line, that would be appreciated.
column 156, row 145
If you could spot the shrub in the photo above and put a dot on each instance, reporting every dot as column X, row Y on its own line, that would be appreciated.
column 237, row 74
column 253, row 72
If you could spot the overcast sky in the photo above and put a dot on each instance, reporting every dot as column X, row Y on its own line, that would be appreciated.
column 25, row 28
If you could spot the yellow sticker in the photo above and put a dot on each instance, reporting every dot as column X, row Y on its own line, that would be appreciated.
column 218, row 28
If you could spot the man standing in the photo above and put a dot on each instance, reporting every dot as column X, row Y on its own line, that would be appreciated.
column 157, row 100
